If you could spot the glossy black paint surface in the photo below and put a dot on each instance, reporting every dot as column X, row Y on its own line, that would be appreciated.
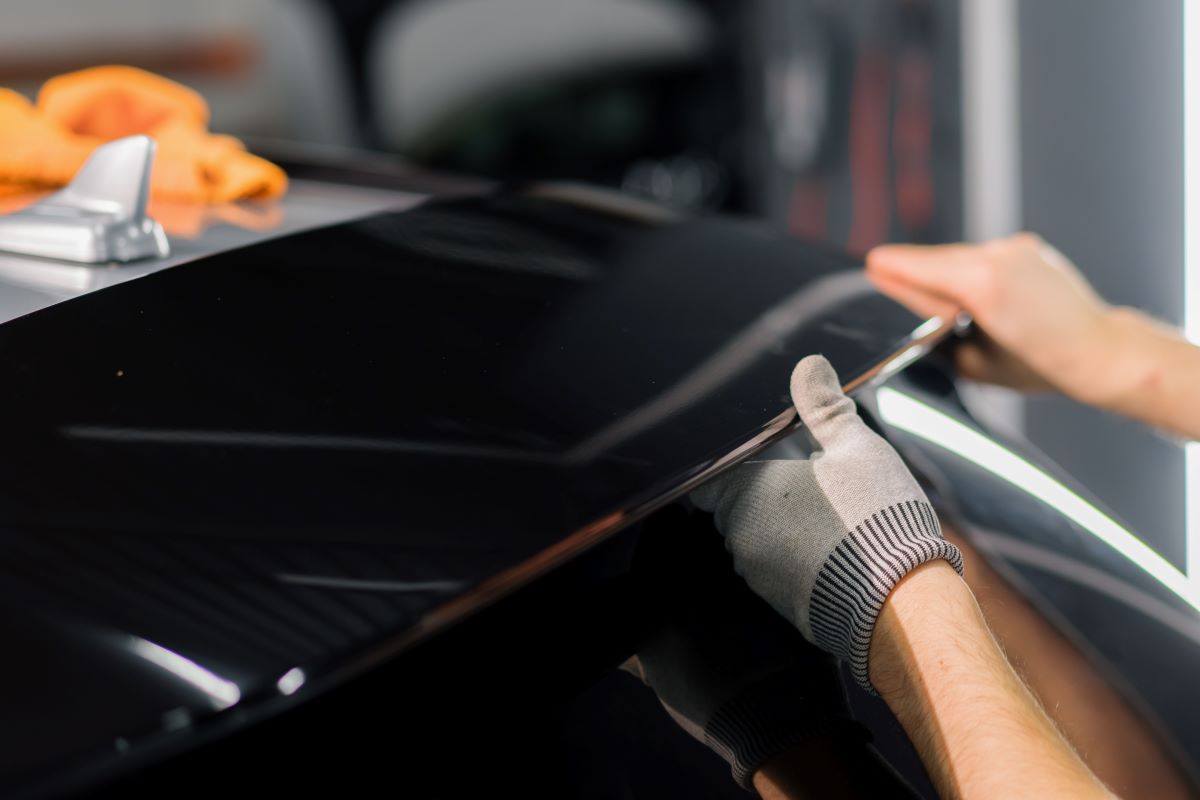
column 287, row 456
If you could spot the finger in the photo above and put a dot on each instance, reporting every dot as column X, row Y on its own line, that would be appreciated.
column 985, row 361
column 954, row 272
column 923, row 303
column 722, row 495
column 824, row 409
column 707, row 496
column 974, row 363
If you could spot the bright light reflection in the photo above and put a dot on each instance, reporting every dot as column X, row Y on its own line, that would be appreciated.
column 1191, row 258
column 222, row 692
column 291, row 680
column 909, row 414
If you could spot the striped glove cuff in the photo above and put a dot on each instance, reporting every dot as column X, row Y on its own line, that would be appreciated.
column 861, row 572
column 781, row 712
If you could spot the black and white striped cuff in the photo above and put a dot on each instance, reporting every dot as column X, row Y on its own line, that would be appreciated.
column 862, row 570
column 776, row 714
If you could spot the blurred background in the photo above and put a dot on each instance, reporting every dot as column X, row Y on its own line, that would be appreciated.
column 851, row 122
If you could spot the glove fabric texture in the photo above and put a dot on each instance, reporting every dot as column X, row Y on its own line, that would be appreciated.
column 825, row 540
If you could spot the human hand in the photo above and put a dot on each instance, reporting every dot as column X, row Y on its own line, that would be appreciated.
column 1043, row 325
column 729, row 670
column 825, row 540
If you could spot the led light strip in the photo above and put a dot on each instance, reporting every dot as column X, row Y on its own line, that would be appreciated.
column 223, row 693
column 909, row 414
column 1191, row 258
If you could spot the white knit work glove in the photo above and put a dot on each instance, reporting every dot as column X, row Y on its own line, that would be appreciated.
column 825, row 540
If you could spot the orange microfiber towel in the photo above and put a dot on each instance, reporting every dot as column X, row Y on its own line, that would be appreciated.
column 35, row 153
column 43, row 146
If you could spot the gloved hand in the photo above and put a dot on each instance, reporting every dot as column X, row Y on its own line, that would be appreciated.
column 825, row 540
column 729, row 670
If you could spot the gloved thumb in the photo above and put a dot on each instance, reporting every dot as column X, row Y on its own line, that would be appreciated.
column 824, row 409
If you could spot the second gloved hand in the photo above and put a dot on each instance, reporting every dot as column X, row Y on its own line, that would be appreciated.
column 729, row 670
column 825, row 540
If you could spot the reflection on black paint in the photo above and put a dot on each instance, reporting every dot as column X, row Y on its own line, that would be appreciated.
column 421, row 398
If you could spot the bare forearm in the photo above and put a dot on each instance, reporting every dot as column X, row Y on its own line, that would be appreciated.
column 978, row 729
column 1113, row 740
column 1147, row 371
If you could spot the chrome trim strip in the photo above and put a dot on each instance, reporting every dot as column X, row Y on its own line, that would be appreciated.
column 923, row 339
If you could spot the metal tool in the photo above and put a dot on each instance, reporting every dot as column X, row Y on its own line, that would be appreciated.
column 100, row 217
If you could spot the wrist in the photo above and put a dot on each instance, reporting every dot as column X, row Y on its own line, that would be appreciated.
column 1119, row 367
column 853, row 585
column 927, row 612
column 1097, row 371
